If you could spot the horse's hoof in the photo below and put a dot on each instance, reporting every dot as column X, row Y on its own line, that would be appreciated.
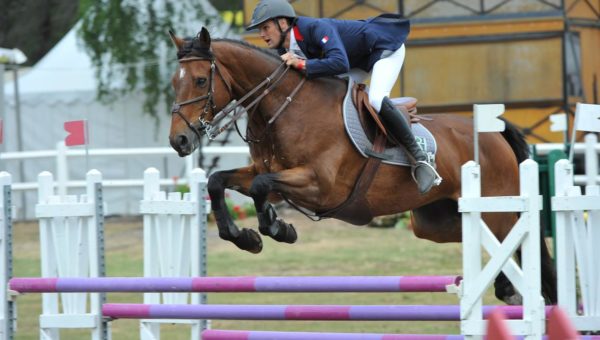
column 514, row 300
column 287, row 233
column 249, row 240
column 280, row 231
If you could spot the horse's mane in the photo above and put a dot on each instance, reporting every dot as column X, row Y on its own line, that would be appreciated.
column 265, row 51
column 193, row 47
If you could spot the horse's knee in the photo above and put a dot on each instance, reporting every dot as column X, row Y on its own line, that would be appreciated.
column 261, row 185
column 215, row 184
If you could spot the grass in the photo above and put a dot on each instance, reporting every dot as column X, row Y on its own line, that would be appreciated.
column 324, row 248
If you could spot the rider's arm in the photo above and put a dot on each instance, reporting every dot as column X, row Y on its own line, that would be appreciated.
column 334, row 60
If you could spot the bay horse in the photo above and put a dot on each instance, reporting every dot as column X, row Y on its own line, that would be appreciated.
column 301, row 153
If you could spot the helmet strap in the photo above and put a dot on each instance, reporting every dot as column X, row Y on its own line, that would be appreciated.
column 282, row 33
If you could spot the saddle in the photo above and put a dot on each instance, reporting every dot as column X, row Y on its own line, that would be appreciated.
column 406, row 105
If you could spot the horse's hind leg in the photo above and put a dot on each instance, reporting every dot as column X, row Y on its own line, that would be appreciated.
column 268, row 223
column 504, row 290
column 245, row 239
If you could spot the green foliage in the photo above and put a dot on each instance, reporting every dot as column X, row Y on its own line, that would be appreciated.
column 129, row 45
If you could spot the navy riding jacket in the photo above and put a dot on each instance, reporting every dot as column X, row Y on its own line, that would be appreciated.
column 335, row 46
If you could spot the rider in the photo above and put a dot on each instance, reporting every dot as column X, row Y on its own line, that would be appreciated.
column 330, row 47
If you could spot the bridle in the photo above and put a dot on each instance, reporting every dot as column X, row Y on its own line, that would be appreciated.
column 211, row 129
column 208, row 97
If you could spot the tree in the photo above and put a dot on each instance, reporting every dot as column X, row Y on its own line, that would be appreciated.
column 35, row 26
column 129, row 45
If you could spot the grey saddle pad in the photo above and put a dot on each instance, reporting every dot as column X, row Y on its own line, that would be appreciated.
column 397, row 154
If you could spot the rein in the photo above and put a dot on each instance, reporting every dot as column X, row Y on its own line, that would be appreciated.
column 213, row 130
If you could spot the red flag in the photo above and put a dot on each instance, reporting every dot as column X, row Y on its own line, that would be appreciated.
column 76, row 130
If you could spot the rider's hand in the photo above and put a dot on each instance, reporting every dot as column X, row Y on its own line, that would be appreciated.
column 291, row 60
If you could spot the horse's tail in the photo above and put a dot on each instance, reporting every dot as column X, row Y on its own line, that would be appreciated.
column 518, row 144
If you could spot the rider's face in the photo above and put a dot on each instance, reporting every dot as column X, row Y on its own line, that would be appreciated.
column 269, row 32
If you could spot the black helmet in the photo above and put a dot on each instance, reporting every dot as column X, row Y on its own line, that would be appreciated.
column 270, row 9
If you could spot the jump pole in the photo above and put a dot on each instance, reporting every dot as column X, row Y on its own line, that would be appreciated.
column 307, row 284
column 300, row 312
column 270, row 335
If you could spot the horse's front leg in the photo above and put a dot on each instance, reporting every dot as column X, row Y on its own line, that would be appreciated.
column 299, row 182
column 239, row 179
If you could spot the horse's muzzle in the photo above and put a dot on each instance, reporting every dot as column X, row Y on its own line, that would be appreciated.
column 184, row 143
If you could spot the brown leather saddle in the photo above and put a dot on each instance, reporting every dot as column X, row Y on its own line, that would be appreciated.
column 406, row 105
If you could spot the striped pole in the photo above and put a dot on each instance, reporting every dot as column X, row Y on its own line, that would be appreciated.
column 269, row 335
column 299, row 312
column 308, row 284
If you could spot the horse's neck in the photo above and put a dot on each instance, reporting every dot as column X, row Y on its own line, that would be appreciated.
column 250, row 68
column 247, row 67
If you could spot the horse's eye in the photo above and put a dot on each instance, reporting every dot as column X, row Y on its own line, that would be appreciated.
column 201, row 82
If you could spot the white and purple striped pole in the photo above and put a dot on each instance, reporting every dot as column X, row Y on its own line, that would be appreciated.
column 237, row 284
column 270, row 335
column 300, row 312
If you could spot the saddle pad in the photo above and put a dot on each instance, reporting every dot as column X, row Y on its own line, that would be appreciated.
column 397, row 154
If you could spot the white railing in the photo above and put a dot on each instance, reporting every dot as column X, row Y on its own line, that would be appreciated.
column 174, row 244
column 590, row 149
column 477, row 236
column 70, row 239
column 62, row 154
column 577, row 252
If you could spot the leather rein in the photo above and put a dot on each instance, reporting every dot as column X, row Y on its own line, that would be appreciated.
column 211, row 128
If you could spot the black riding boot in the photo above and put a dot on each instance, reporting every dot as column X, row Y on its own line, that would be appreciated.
column 399, row 129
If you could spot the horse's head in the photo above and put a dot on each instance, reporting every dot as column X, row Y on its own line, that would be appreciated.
column 199, row 94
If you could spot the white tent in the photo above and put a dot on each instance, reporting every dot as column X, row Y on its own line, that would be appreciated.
column 62, row 87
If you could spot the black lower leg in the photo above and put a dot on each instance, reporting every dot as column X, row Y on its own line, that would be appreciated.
column 268, row 223
column 245, row 239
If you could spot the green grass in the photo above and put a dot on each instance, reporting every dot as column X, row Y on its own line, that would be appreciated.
column 324, row 248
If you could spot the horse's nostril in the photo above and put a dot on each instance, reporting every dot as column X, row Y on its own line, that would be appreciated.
column 182, row 140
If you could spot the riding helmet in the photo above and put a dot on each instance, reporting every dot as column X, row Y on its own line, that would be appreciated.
column 270, row 9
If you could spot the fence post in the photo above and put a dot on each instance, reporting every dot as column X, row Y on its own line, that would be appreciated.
column 198, row 192
column 6, row 312
column 48, row 267
column 591, row 159
column 471, row 231
column 533, row 303
column 62, row 168
column 565, row 252
column 150, row 330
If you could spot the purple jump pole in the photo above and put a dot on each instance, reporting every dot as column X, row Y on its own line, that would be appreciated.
column 299, row 312
column 308, row 284
column 260, row 335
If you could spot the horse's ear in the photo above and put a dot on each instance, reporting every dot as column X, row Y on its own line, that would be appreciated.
column 204, row 37
column 176, row 40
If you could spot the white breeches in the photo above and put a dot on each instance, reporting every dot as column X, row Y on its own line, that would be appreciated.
column 383, row 76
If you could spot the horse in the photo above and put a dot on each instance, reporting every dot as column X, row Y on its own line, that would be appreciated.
column 300, row 151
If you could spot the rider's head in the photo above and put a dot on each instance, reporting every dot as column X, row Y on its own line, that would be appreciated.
column 274, row 20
